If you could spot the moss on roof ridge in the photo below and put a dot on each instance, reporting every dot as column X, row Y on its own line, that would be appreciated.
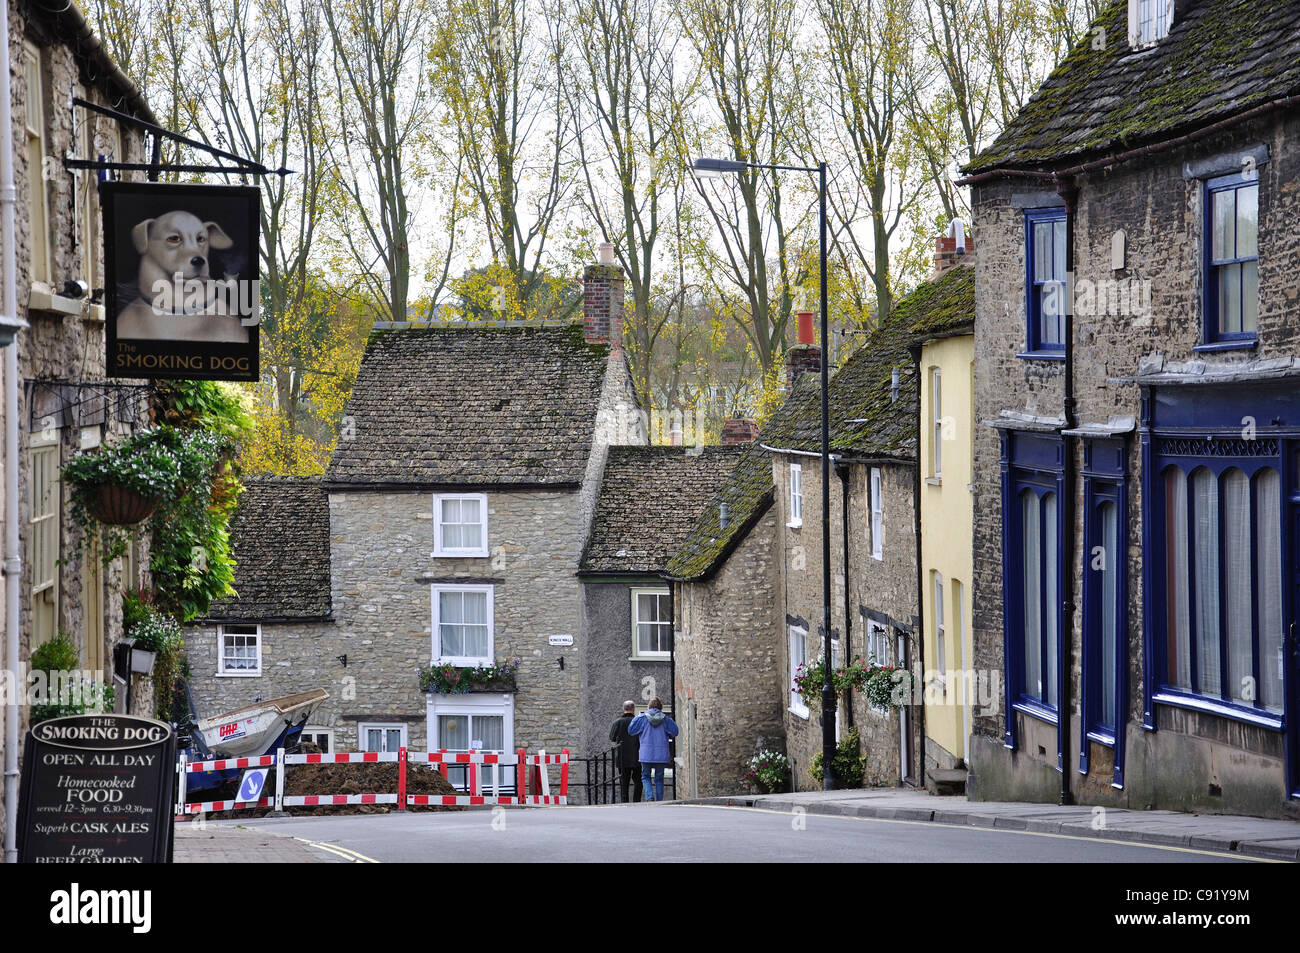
column 1173, row 88
column 942, row 305
column 747, row 493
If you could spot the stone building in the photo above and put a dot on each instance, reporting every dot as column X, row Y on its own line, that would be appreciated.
column 448, row 527
column 727, row 645
column 277, row 636
column 649, row 499
column 1136, row 353
column 65, row 404
column 873, row 546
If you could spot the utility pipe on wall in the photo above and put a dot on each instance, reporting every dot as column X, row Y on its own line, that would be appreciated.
column 12, row 556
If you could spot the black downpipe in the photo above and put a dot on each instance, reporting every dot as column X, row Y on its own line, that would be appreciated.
column 847, row 648
column 1069, row 191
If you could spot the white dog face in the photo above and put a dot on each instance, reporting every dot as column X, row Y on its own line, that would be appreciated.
column 178, row 242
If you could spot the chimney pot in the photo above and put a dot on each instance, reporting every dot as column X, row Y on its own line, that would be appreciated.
column 606, row 253
column 602, row 304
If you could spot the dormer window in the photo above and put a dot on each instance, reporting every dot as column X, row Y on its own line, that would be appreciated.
column 1149, row 21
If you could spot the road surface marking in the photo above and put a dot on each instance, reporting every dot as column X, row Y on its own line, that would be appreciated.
column 347, row 853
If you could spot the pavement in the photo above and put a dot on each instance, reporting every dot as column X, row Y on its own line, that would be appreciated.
column 232, row 843
column 1247, row 836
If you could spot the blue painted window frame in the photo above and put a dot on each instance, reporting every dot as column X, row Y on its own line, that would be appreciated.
column 1034, row 344
column 1033, row 461
column 1212, row 338
column 1216, row 412
column 1104, row 481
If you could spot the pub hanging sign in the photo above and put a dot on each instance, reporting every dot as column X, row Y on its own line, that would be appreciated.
column 181, row 293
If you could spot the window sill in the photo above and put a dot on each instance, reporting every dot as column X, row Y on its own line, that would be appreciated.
column 801, row 712
column 1250, row 716
column 94, row 313
column 934, row 481
column 45, row 302
column 878, row 557
column 460, row 554
column 1042, row 355
column 1244, row 345
column 464, row 662
column 1106, row 738
column 237, row 675
column 798, row 525
column 650, row 658
column 1036, row 710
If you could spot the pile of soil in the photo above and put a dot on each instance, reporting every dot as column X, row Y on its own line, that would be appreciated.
column 352, row 778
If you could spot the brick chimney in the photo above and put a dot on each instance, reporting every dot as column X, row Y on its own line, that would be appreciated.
column 801, row 359
column 952, row 249
column 739, row 430
column 602, row 301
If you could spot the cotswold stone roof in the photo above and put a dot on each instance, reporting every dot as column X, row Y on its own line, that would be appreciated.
column 280, row 536
column 941, row 308
column 747, row 492
column 865, row 420
column 649, row 500
column 1221, row 58
column 472, row 407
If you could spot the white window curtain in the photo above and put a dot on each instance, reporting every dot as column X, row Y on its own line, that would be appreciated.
column 1031, row 540
column 940, row 653
column 1177, row 579
column 1268, row 587
column 877, row 518
column 1205, row 519
column 1109, row 516
column 462, row 524
column 1052, row 598
column 1237, row 585
column 463, row 624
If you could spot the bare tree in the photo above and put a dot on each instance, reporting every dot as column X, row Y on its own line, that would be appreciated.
column 749, row 96
column 383, row 104
column 497, row 66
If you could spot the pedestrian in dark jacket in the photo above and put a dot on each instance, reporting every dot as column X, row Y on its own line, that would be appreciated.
column 655, row 729
column 628, row 748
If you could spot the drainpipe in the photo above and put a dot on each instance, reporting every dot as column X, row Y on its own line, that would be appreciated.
column 12, row 556
column 672, row 675
column 1069, row 191
column 915, row 351
column 843, row 470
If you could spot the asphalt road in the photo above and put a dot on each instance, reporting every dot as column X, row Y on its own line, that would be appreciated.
column 675, row 833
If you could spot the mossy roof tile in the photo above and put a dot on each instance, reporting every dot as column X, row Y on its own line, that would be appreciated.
column 650, row 497
column 1220, row 58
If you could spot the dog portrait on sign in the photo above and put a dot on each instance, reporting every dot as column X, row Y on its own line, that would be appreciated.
column 182, row 295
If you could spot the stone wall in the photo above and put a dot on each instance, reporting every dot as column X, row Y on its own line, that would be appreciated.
column 730, row 657
column 1160, row 212
column 881, row 589
column 381, row 573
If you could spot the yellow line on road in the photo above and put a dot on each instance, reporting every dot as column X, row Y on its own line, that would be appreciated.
column 347, row 853
column 996, row 830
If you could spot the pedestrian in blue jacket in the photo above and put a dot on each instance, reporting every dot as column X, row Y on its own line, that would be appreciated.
column 655, row 729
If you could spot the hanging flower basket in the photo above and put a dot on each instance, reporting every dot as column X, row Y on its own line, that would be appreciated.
column 119, row 505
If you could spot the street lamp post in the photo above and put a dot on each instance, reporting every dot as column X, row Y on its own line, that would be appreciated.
column 713, row 167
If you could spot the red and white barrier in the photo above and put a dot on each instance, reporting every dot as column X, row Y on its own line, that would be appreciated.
column 521, row 761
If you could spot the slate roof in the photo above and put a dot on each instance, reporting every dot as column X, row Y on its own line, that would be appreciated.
column 281, row 540
column 1221, row 58
column 472, row 407
column 865, row 420
column 649, row 500
column 941, row 308
column 747, row 491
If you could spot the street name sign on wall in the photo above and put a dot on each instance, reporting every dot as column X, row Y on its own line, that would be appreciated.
column 97, row 789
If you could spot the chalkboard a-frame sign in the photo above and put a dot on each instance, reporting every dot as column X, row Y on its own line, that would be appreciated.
column 97, row 789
